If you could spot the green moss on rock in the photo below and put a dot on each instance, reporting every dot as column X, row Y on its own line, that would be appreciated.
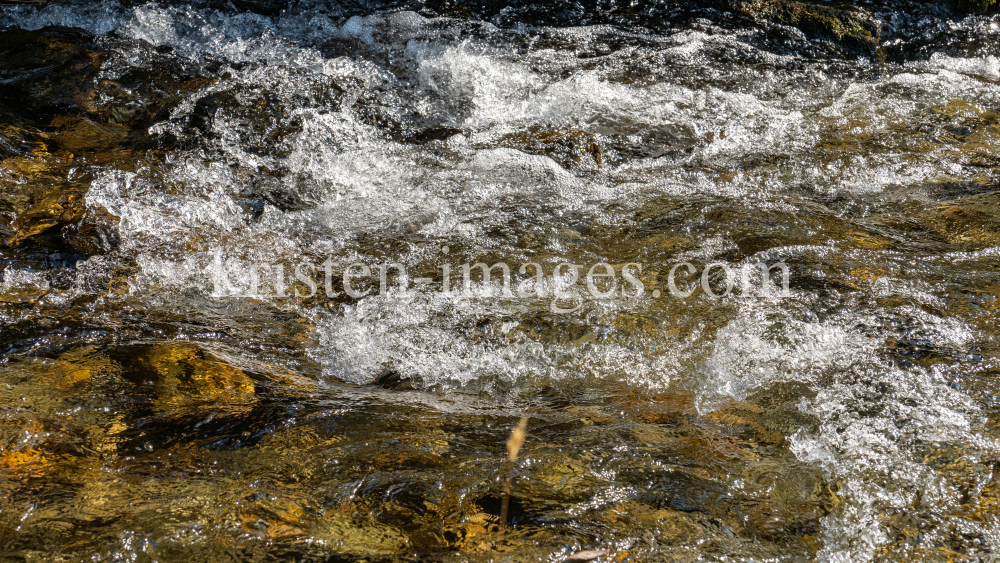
column 852, row 27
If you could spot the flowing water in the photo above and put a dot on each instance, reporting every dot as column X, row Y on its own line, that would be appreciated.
column 151, row 150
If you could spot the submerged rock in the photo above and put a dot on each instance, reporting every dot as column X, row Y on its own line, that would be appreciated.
column 182, row 374
column 63, row 113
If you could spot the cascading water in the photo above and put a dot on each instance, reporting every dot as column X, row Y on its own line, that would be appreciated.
column 163, row 164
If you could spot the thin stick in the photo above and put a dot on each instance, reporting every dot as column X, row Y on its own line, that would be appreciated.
column 514, row 444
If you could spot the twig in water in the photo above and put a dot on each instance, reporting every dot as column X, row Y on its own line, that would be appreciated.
column 514, row 444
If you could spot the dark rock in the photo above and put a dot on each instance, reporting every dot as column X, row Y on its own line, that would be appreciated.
column 392, row 379
column 61, row 114
column 95, row 233
column 434, row 134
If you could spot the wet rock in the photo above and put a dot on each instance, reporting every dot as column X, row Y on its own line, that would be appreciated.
column 47, row 70
column 570, row 148
column 259, row 118
column 853, row 27
column 259, row 123
column 393, row 379
column 179, row 374
column 268, row 191
column 62, row 111
column 28, row 203
column 438, row 133
column 95, row 233
column 58, row 77
column 848, row 30
column 19, row 139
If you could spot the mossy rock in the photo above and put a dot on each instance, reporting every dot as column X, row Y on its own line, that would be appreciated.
column 854, row 28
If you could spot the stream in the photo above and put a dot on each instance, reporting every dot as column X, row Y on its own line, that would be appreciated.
column 745, row 265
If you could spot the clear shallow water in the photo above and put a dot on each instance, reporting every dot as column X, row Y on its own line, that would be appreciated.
column 144, row 419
